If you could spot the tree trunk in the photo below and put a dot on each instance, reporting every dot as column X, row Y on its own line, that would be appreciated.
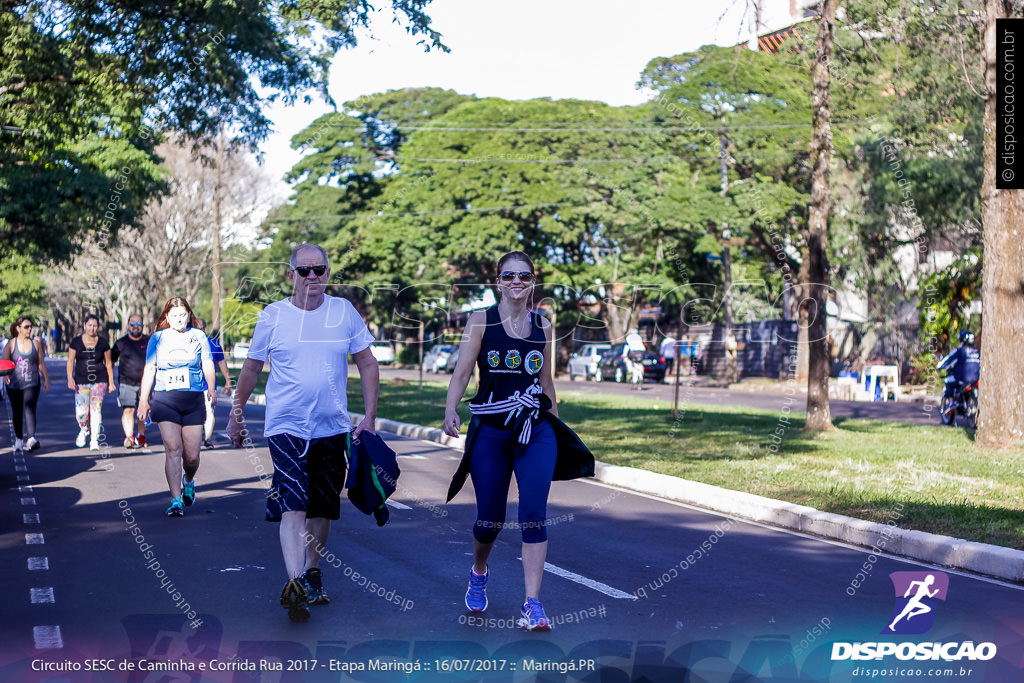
column 1001, row 409
column 819, row 414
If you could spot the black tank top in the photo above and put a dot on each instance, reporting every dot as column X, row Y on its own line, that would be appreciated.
column 508, row 365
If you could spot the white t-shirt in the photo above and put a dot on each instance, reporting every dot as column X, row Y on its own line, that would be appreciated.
column 308, row 354
column 668, row 347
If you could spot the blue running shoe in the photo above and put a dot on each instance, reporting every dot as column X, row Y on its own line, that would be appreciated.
column 176, row 509
column 476, row 594
column 533, row 617
column 188, row 490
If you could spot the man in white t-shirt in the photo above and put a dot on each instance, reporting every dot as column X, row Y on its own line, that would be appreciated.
column 307, row 339
column 668, row 352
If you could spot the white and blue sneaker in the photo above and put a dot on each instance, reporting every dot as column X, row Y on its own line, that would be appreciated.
column 176, row 509
column 533, row 617
column 476, row 594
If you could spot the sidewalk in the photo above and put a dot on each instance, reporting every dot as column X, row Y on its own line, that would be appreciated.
column 753, row 385
column 944, row 551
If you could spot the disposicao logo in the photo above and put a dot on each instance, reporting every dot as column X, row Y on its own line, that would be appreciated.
column 916, row 595
column 916, row 598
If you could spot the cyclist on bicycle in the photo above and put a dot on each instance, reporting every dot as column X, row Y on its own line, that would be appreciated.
column 962, row 366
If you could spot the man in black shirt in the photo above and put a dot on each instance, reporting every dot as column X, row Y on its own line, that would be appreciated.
column 131, row 349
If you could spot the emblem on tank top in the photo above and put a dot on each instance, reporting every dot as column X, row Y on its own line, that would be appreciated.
column 513, row 360
column 534, row 362
column 493, row 358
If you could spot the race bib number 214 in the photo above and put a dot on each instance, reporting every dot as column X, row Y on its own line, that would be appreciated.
column 176, row 379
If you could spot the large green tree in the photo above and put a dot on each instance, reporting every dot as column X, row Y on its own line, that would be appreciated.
column 83, row 85
column 745, row 118
column 422, row 189
column 1001, row 423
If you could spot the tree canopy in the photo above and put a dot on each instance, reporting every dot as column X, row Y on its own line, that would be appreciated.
column 84, row 85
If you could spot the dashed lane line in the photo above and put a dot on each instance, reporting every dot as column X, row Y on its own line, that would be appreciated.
column 47, row 637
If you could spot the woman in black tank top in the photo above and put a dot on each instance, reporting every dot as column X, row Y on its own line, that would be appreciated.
column 511, row 346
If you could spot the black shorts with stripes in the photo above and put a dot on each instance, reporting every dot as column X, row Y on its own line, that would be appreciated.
column 309, row 475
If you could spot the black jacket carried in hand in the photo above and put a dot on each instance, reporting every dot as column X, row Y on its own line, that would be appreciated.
column 373, row 476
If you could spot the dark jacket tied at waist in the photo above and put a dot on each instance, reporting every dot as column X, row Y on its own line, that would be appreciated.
column 574, row 459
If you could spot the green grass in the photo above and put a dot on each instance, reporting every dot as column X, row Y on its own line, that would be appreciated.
column 862, row 469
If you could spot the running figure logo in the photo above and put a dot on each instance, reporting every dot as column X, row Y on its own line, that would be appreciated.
column 513, row 360
column 493, row 358
column 916, row 593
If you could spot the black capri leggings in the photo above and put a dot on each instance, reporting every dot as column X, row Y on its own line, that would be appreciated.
column 23, row 405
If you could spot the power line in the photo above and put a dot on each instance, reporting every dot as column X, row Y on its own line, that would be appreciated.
column 499, row 159
column 422, row 213
column 641, row 129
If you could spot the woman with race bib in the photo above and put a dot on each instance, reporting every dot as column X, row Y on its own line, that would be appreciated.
column 179, row 371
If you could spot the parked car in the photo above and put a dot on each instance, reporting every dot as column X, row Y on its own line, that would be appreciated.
column 436, row 357
column 611, row 366
column 584, row 362
column 383, row 351
column 240, row 351
column 453, row 359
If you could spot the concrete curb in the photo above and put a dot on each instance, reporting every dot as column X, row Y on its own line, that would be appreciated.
column 945, row 551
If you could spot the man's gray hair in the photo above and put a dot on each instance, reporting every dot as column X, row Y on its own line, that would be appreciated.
column 307, row 245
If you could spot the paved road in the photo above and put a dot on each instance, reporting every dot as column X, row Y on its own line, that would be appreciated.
column 767, row 397
column 641, row 588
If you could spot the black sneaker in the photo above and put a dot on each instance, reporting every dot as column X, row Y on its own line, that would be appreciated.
column 294, row 598
column 207, row 444
column 315, row 587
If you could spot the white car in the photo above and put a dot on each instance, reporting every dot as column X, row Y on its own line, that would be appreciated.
column 436, row 358
column 383, row 351
column 583, row 363
column 240, row 351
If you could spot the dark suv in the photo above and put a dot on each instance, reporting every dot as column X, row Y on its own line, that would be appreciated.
column 612, row 367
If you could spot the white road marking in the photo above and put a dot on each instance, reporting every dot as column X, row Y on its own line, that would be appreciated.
column 24, row 489
column 28, row 501
column 42, row 596
column 398, row 506
column 38, row 564
column 589, row 583
column 22, row 477
column 31, row 518
column 21, row 468
column 34, row 539
column 47, row 637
